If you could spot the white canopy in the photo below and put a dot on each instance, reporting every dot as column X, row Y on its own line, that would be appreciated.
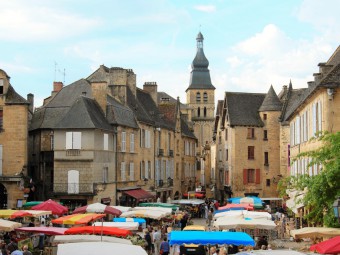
column 244, row 214
column 122, row 225
column 168, row 211
column 236, row 222
column 90, row 248
column 121, row 208
column 188, row 201
column 296, row 199
column 157, row 215
column 38, row 213
column 7, row 225
column 88, row 238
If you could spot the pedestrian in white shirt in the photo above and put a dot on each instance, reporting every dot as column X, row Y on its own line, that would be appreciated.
column 157, row 236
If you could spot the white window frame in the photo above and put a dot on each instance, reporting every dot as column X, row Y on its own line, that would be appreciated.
column 73, row 182
column 132, row 142
column 132, row 171
column 106, row 142
column 73, row 140
column 123, row 147
column 122, row 171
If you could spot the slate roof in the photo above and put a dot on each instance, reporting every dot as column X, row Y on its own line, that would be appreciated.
column 161, row 95
column 200, row 75
column 118, row 114
column 242, row 108
column 12, row 97
column 271, row 102
column 186, row 130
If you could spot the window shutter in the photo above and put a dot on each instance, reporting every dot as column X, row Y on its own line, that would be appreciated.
column 68, row 140
column 146, row 170
column 77, row 140
column 122, row 171
column 319, row 116
column 314, row 118
column 123, row 141
column 132, row 171
column 245, row 176
column 132, row 142
column 106, row 142
column 157, row 171
column 258, row 176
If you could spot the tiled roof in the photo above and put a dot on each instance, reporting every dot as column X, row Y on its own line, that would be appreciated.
column 138, row 108
column 163, row 96
column 12, row 97
column 186, row 130
column 85, row 113
column 243, row 108
column 118, row 114
column 271, row 102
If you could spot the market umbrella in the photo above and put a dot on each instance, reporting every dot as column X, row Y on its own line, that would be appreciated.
column 7, row 225
column 46, row 230
column 78, row 218
column 315, row 232
column 90, row 248
column 51, row 205
column 111, row 231
column 12, row 214
column 237, row 207
column 247, row 223
column 330, row 246
column 88, row 238
column 157, row 215
column 121, row 225
column 97, row 208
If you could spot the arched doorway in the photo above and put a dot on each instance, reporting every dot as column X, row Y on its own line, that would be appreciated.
column 176, row 196
column 3, row 197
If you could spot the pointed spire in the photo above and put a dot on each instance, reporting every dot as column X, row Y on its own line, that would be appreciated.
column 271, row 102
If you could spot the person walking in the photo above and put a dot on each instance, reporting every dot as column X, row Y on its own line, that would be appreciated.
column 157, row 236
column 210, row 216
column 26, row 251
column 165, row 247
column 147, row 238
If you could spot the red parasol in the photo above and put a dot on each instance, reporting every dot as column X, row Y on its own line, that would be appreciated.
column 53, row 206
column 248, row 207
column 330, row 246
column 112, row 231
column 97, row 208
column 46, row 230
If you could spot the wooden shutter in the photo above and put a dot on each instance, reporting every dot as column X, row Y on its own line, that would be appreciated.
column 106, row 142
column 257, row 176
column 69, row 141
column 245, row 176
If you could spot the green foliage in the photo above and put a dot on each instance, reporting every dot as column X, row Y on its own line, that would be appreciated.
column 324, row 188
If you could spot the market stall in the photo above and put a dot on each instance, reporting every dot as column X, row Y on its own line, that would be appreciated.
column 75, row 219
column 7, row 225
column 88, row 238
column 244, row 223
column 43, row 230
column 12, row 214
column 140, row 221
column 315, row 232
column 98, row 230
column 330, row 246
column 97, row 208
column 156, row 215
column 121, row 208
column 132, row 226
column 50, row 205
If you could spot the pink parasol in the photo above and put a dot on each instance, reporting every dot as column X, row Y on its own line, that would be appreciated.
column 98, row 208
column 53, row 206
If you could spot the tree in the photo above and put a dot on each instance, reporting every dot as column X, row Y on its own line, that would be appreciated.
column 323, row 188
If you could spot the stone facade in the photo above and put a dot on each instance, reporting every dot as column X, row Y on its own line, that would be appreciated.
column 14, row 121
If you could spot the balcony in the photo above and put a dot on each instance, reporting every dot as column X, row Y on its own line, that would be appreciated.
column 160, row 152
column 160, row 183
column 171, row 153
column 72, row 152
column 73, row 188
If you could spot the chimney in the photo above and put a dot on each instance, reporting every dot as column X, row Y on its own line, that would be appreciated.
column 311, row 83
column 57, row 86
column 30, row 99
column 151, row 88
column 99, row 92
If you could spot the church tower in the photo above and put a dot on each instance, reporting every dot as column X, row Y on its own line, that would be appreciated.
column 201, row 97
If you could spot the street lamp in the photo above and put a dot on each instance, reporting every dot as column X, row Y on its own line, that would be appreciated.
column 336, row 208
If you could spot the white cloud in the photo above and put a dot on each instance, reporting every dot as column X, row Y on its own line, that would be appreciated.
column 31, row 22
column 205, row 8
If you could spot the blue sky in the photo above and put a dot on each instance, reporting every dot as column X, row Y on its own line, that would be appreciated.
column 250, row 44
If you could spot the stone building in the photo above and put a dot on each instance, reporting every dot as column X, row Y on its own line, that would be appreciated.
column 15, row 112
column 124, row 146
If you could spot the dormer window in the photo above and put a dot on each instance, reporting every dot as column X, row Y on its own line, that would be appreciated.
column 1, row 86
column 198, row 97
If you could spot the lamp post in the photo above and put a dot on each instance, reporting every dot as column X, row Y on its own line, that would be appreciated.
column 336, row 208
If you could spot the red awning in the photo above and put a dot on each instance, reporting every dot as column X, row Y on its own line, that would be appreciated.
column 138, row 194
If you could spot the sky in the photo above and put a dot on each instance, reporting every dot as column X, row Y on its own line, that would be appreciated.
column 250, row 44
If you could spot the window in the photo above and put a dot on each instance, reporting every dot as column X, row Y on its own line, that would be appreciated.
column 73, row 182
column 219, row 137
column 177, row 171
column 205, row 111
column 1, row 86
column 226, row 155
column 268, row 182
column 149, row 170
column 142, row 138
column 123, row 148
column 266, row 159
column 169, row 142
column 220, row 155
column 73, row 140
column 251, row 152
column 132, row 171
column 1, row 120
column 122, row 171
column 105, row 174
column 264, row 116
column 146, row 170
column 52, row 141
column 106, row 142
column 132, row 142
column 226, row 134
column 198, row 112
column 265, row 134
column 251, row 133
column 251, row 176
column 317, row 117
column 142, row 170
column 198, row 97
column 205, row 97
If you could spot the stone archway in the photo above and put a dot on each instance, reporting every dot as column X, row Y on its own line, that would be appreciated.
column 3, row 197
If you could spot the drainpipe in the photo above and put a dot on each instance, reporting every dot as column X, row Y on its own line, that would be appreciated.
column 116, row 163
